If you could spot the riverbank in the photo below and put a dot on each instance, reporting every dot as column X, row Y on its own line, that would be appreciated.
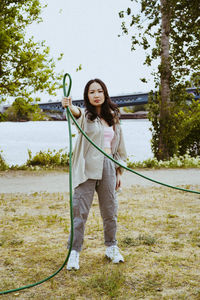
column 57, row 181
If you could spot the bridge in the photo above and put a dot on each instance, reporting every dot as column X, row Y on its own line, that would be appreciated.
column 121, row 101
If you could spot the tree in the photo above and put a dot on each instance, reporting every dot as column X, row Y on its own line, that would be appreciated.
column 174, row 28
column 23, row 110
column 25, row 65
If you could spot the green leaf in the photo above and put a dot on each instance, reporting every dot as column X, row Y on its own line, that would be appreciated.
column 26, row 65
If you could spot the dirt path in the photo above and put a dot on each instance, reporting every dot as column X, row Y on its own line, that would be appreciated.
column 55, row 181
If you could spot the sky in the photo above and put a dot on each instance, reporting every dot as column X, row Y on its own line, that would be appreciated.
column 86, row 31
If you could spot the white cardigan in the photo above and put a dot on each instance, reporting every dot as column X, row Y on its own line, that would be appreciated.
column 87, row 161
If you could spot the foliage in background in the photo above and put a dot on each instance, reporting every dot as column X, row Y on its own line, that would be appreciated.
column 2, row 117
column 52, row 159
column 49, row 158
column 190, row 141
column 23, row 110
column 3, row 164
column 145, row 30
column 135, row 108
column 169, row 30
column 25, row 65
column 181, row 127
column 184, row 161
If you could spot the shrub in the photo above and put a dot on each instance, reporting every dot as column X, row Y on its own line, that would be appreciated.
column 3, row 164
column 2, row 117
column 48, row 158
column 184, row 161
column 191, row 142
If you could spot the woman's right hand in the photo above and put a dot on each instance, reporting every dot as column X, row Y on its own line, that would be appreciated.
column 66, row 101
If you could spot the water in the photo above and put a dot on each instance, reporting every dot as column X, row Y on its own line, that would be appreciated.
column 17, row 137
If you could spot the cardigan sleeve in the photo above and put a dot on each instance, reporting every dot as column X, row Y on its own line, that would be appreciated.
column 80, row 119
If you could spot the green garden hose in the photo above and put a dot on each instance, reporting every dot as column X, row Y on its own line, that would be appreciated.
column 66, row 94
column 69, row 115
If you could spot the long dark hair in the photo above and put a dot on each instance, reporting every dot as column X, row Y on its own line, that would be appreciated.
column 109, row 110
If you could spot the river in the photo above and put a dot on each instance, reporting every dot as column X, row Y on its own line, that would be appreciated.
column 17, row 137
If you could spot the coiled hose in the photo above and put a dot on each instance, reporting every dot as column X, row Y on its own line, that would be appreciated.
column 66, row 94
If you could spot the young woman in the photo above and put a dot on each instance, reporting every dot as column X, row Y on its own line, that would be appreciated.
column 94, row 171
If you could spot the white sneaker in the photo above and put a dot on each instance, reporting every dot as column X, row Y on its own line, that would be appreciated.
column 73, row 262
column 113, row 253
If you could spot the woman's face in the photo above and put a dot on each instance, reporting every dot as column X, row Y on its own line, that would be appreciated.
column 96, row 94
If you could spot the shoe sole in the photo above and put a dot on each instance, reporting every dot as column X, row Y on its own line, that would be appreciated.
column 118, row 262
column 115, row 262
column 71, row 269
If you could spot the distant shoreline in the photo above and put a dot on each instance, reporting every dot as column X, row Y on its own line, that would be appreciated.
column 136, row 115
column 123, row 116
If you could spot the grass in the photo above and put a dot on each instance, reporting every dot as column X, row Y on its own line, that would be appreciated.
column 158, row 233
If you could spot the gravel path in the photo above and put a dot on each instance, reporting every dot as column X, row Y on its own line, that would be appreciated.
column 28, row 182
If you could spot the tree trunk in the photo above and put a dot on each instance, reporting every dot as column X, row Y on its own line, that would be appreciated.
column 165, row 79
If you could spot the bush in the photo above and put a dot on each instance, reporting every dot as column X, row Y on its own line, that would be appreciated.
column 191, row 142
column 48, row 158
column 184, row 161
column 2, row 117
column 3, row 165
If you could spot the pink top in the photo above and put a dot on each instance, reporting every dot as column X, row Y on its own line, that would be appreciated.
column 108, row 136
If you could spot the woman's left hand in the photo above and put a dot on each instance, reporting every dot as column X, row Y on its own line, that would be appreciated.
column 118, row 181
